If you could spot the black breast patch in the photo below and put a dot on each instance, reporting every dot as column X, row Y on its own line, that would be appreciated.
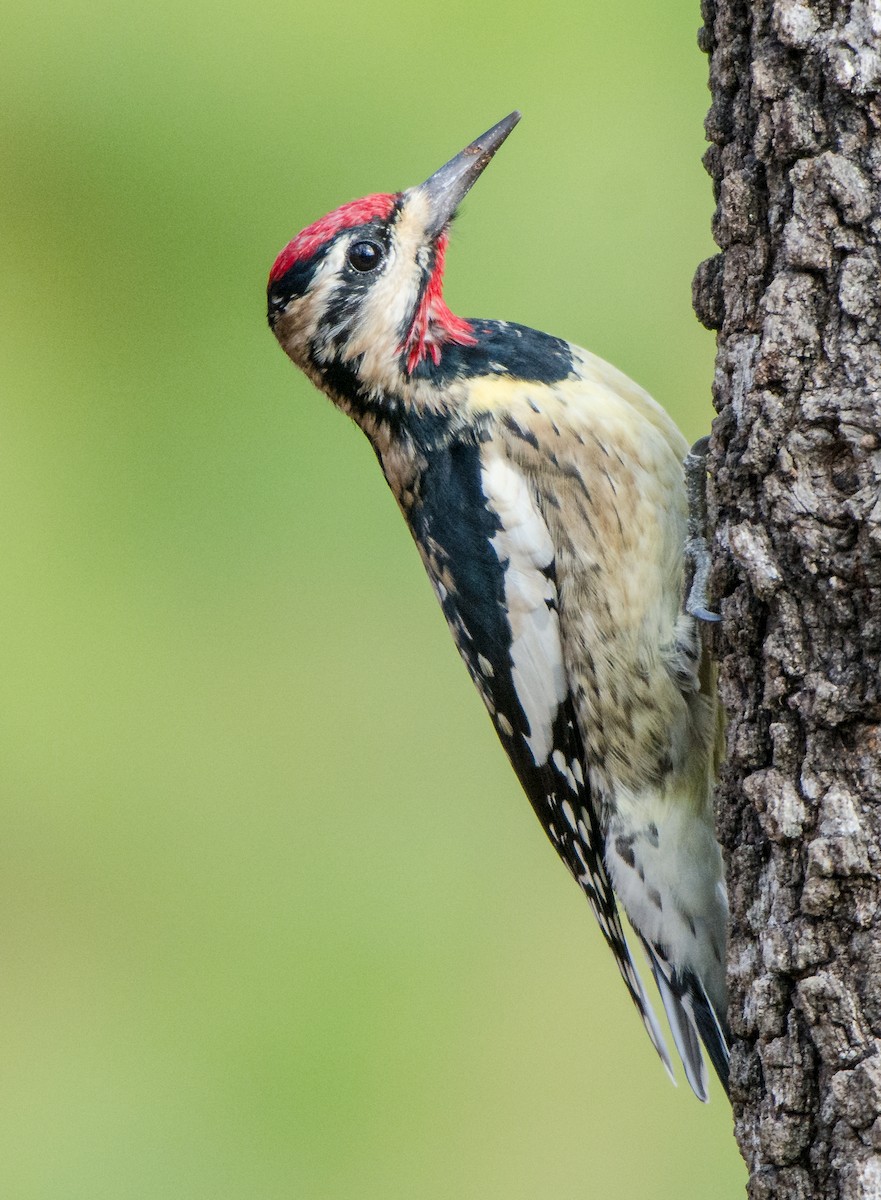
column 502, row 348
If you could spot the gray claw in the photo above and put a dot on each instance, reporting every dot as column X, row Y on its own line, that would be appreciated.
column 704, row 614
column 696, row 549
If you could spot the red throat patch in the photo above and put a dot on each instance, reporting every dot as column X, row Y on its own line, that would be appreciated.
column 313, row 237
column 434, row 324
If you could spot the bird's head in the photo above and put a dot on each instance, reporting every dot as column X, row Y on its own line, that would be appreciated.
column 356, row 298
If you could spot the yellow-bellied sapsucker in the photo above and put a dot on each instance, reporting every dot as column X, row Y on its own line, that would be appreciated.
column 545, row 492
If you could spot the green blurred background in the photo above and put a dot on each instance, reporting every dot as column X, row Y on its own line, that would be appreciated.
column 275, row 920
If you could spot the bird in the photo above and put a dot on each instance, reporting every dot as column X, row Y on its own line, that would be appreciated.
column 548, row 499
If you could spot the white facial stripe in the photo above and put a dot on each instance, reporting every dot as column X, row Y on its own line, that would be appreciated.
column 393, row 297
column 304, row 316
column 523, row 545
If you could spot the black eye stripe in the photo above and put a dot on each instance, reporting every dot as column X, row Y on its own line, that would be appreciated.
column 298, row 279
column 365, row 255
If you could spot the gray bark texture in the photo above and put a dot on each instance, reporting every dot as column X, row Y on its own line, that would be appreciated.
column 795, row 503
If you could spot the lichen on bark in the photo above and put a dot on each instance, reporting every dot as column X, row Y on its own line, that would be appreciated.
column 795, row 498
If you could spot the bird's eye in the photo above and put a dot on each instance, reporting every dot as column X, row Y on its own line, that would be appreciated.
column 365, row 256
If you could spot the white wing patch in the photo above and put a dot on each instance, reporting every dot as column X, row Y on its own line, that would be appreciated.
column 524, row 548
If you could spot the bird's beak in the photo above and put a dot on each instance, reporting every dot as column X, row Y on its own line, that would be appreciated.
column 447, row 187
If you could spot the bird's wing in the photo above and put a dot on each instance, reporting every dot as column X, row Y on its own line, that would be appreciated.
column 489, row 554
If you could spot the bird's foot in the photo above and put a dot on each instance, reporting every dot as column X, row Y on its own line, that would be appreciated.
column 697, row 552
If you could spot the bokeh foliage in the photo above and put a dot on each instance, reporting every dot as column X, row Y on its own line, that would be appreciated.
column 275, row 920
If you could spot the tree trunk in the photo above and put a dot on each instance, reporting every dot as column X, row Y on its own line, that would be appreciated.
column 795, row 481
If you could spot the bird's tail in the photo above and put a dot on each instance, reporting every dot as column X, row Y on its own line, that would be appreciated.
column 693, row 1019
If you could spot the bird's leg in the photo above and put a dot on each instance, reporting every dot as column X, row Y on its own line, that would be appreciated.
column 697, row 552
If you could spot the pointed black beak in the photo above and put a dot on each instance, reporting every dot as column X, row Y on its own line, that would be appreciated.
column 447, row 187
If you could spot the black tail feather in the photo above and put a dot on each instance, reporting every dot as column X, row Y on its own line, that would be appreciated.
column 693, row 1020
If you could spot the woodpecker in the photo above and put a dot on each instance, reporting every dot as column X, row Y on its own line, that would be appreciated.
column 546, row 495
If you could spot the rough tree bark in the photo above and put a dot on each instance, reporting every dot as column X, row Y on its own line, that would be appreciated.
column 795, row 481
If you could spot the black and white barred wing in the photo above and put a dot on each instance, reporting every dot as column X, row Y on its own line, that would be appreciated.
column 491, row 559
